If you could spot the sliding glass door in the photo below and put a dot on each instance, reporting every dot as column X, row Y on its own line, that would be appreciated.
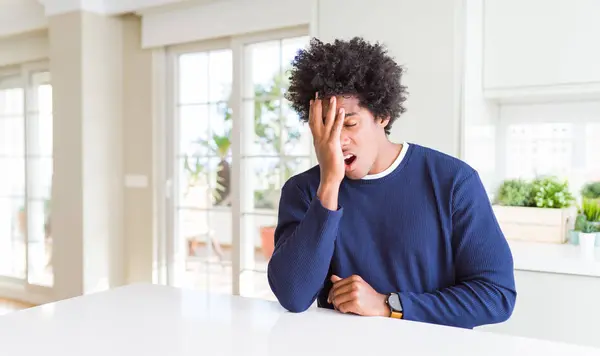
column 25, row 182
column 232, row 142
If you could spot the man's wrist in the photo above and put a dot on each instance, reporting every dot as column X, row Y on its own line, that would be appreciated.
column 328, row 195
column 385, row 310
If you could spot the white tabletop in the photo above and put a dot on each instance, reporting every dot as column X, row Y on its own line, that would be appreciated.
column 555, row 258
column 153, row 320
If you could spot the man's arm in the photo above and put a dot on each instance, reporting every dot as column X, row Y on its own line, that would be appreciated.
column 484, row 292
column 304, row 243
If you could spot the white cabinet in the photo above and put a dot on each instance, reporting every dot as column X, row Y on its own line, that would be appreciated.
column 542, row 44
column 555, row 307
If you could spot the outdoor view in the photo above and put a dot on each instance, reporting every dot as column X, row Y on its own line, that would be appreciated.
column 275, row 146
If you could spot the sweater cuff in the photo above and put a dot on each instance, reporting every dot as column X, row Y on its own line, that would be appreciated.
column 329, row 220
column 407, row 305
column 316, row 201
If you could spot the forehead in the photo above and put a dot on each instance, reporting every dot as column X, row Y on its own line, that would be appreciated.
column 349, row 103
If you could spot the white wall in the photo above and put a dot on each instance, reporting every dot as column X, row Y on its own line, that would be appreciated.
column 20, row 16
column 220, row 19
column 424, row 36
column 541, row 42
column 480, row 116
column 556, row 307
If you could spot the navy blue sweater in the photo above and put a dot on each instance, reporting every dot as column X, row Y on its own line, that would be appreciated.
column 426, row 231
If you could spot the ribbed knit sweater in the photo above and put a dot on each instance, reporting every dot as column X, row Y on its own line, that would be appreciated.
column 426, row 231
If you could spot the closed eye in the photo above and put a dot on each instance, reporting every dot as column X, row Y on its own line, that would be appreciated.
column 350, row 125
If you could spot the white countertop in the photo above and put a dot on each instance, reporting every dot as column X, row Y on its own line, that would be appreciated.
column 554, row 258
column 154, row 320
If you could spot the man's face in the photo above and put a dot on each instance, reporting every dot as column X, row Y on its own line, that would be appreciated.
column 361, row 136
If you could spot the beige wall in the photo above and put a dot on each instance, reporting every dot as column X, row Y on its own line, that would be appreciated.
column 24, row 48
column 86, row 67
column 137, row 152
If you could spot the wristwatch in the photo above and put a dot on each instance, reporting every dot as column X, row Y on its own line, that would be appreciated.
column 393, row 301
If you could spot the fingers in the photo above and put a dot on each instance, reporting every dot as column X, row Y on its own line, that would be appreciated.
column 314, row 117
column 339, row 283
column 330, row 118
column 344, row 294
column 339, row 123
column 349, row 307
column 318, row 115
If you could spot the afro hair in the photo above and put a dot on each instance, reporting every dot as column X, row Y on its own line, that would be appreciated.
column 353, row 67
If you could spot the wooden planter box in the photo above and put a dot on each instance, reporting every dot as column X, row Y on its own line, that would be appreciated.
column 535, row 224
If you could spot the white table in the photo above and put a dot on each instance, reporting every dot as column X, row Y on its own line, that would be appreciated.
column 154, row 320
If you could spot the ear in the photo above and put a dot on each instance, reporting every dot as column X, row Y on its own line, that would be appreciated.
column 384, row 121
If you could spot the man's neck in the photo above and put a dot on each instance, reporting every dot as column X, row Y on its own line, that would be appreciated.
column 388, row 152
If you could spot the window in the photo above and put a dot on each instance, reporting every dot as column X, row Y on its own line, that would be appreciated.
column 276, row 148
column 539, row 149
column 203, row 200
column 25, row 184
column 273, row 146
column 529, row 140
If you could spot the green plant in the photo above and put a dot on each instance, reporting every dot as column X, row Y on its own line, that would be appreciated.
column 589, row 227
column 580, row 222
column 549, row 192
column 591, row 190
column 514, row 192
column 590, row 208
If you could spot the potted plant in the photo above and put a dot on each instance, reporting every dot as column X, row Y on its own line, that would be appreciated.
column 587, row 237
column 591, row 190
column 540, row 210
column 590, row 213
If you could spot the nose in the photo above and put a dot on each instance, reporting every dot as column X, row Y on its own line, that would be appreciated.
column 344, row 138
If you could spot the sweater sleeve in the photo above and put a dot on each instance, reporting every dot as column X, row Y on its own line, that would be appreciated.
column 304, row 243
column 484, row 290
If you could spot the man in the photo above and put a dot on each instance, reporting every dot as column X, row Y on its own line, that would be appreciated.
column 379, row 228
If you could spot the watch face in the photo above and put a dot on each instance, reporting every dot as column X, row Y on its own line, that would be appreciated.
column 394, row 302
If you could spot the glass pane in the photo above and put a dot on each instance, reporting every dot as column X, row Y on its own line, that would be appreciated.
column 263, row 236
column 593, row 147
column 262, row 184
column 45, row 100
column 193, row 231
column 220, row 77
column 220, row 128
column 40, row 243
column 208, row 240
column 12, row 137
column 193, row 130
column 40, row 135
column 265, row 138
column 296, row 134
column 193, row 78
column 12, row 237
column 12, row 102
column 289, row 49
column 264, row 66
column 194, row 191
column 40, row 172
column 292, row 167
column 12, row 179
column 539, row 149
column 220, row 181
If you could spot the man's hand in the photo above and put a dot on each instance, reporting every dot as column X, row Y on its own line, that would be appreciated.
column 354, row 295
column 326, row 136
